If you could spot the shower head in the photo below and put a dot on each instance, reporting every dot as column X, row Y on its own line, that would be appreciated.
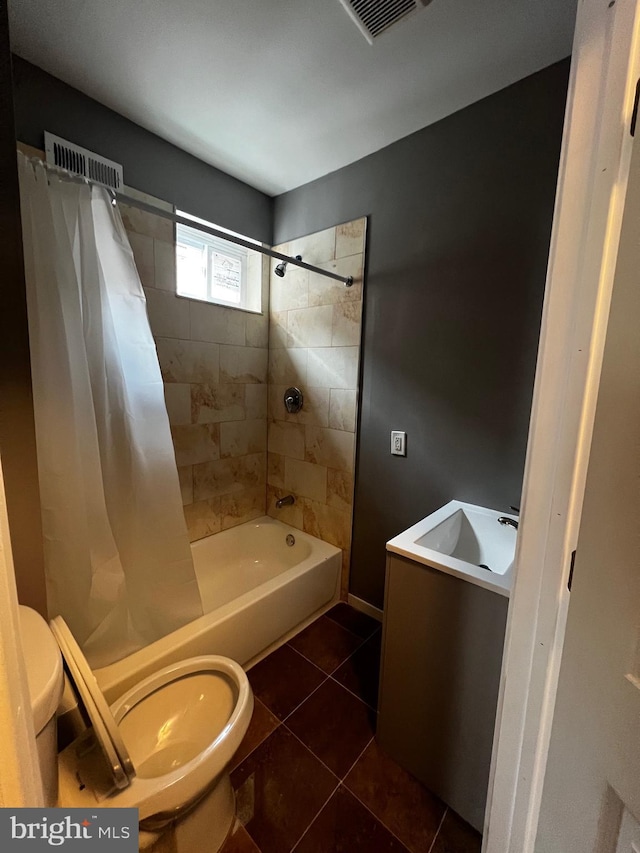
column 281, row 269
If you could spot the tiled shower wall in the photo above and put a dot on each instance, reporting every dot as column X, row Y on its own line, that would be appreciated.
column 216, row 361
column 214, row 366
column 314, row 344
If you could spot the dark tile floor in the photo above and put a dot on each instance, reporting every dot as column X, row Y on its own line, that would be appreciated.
column 309, row 775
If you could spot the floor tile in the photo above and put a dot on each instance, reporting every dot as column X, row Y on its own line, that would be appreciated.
column 361, row 672
column 353, row 620
column 335, row 725
column 263, row 722
column 283, row 680
column 398, row 800
column 326, row 643
column 280, row 788
column 239, row 841
column 456, row 836
column 345, row 826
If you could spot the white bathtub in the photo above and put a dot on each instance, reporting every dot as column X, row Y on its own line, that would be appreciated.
column 254, row 587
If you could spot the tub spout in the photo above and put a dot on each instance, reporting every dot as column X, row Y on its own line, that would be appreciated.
column 508, row 521
column 287, row 500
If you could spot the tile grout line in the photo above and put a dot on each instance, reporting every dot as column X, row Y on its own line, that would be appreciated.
column 311, row 752
column 280, row 723
column 379, row 819
column 438, row 830
column 300, row 704
column 314, row 818
column 371, row 812
column 367, row 745
column 355, row 695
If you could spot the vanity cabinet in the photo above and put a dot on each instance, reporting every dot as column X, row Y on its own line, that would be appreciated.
column 440, row 672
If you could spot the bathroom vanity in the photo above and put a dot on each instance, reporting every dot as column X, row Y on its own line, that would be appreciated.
column 444, row 625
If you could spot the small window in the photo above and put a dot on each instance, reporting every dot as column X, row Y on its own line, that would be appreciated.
column 215, row 270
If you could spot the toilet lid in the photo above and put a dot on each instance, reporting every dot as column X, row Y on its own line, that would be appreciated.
column 89, row 694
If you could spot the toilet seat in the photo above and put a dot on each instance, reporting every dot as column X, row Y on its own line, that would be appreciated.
column 167, row 739
column 105, row 727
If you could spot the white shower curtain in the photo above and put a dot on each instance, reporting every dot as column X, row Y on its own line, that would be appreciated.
column 117, row 555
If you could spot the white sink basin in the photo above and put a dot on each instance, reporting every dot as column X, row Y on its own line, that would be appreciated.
column 463, row 540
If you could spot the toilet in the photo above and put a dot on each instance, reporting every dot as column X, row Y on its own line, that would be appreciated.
column 163, row 747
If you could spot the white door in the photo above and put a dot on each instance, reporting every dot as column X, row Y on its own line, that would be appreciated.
column 591, row 794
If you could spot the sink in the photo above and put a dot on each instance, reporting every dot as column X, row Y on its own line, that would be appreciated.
column 464, row 540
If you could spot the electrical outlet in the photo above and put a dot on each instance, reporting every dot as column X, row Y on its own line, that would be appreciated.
column 398, row 443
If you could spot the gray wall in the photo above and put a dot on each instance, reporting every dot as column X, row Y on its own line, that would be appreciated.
column 460, row 220
column 17, row 432
column 43, row 102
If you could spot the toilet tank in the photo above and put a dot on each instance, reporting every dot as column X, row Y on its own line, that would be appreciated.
column 44, row 672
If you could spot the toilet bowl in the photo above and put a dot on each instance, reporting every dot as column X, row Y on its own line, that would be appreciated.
column 163, row 747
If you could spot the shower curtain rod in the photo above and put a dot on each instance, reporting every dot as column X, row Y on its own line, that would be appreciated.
column 182, row 220
column 256, row 247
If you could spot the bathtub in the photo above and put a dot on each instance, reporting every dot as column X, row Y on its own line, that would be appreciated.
column 254, row 588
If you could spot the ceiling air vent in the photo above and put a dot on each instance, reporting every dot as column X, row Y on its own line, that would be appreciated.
column 374, row 17
column 79, row 161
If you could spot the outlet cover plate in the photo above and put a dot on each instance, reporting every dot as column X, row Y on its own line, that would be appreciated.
column 398, row 443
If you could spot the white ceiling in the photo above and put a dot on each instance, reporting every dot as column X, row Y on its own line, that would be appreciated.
column 279, row 92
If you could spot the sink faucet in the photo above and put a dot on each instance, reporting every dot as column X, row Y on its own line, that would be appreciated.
column 509, row 522
column 287, row 500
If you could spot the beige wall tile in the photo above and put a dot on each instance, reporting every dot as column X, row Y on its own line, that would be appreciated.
column 239, row 438
column 165, row 265
column 329, row 447
column 288, row 367
column 196, row 443
column 310, row 327
column 185, row 476
column 333, row 367
column 168, row 314
column 243, row 364
column 177, row 397
column 292, row 291
column 327, row 291
column 146, row 223
column 203, row 518
column 315, row 248
column 350, row 238
column 327, row 523
column 306, row 479
column 346, row 324
column 216, row 403
column 242, row 506
column 275, row 404
column 188, row 361
column 275, row 470
column 287, row 439
column 257, row 331
column 278, row 329
column 342, row 409
column 340, row 489
column 227, row 476
column 142, row 247
column 216, row 323
column 292, row 515
column 255, row 401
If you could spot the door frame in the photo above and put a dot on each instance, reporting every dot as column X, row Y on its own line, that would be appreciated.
column 593, row 173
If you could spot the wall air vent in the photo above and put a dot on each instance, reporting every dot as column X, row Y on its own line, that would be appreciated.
column 374, row 17
column 79, row 161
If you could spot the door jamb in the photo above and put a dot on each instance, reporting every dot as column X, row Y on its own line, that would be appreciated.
column 594, row 168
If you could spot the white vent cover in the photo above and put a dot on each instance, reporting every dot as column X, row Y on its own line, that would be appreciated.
column 373, row 17
column 79, row 161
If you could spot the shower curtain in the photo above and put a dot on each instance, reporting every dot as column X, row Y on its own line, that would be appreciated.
column 117, row 557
